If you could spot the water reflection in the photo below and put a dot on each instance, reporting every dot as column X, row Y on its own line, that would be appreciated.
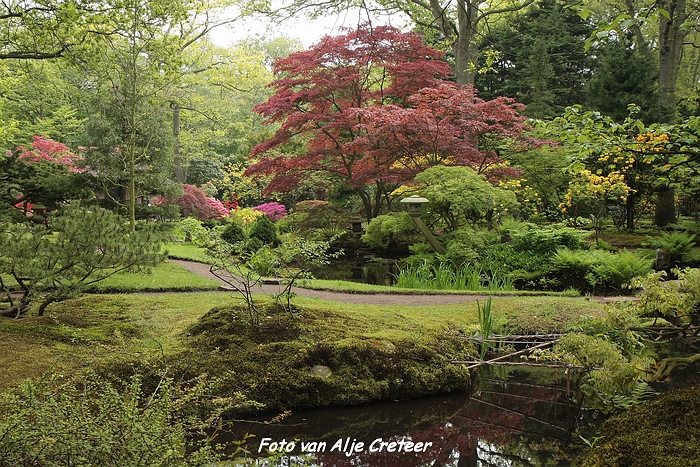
column 374, row 271
column 514, row 418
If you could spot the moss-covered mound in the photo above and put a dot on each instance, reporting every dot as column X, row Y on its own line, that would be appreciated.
column 312, row 360
column 661, row 433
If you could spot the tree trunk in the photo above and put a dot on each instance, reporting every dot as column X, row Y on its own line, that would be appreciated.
column 465, row 47
column 177, row 160
column 671, row 36
column 629, row 211
column 665, row 207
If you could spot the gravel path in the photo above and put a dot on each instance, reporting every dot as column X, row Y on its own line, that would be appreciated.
column 366, row 298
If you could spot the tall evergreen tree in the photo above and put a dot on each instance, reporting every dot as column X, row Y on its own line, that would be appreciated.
column 624, row 76
column 541, row 59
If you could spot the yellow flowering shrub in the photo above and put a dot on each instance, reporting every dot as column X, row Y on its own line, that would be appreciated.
column 590, row 191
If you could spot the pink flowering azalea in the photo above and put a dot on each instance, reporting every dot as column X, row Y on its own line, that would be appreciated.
column 217, row 208
column 45, row 149
column 274, row 210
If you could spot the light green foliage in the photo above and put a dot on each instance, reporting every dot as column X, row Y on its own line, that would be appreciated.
column 571, row 267
column 608, row 373
column 677, row 301
column 443, row 276
column 89, row 245
column 464, row 245
column 264, row 261
column 485, row 325
column 530, row 237
column 57, row 423
column 190, row 229
column 597, row 268
column 388, row 228
column 617, row 270
column 458, row 195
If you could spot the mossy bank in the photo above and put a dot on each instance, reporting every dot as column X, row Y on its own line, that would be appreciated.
column 325, row 354
column 664, row 432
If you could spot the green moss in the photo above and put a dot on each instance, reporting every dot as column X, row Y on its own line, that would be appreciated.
column 661, row 433
column 271, row 363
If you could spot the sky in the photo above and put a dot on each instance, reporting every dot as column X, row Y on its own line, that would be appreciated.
column 307, row 31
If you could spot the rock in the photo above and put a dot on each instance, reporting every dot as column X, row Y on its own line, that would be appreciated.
column 321, row 371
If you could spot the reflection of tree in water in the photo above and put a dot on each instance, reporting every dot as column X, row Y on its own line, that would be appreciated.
column 506, row 423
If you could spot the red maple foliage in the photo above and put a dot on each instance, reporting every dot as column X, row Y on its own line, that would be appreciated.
column 195, row 203
column 44, row 149
column 444, row 125
column 375, row 109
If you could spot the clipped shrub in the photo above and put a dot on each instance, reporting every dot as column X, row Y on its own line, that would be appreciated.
column 233, row 233
column 264, row 230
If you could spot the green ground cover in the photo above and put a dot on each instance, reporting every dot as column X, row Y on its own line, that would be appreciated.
column 187, row 251
column 165, row 276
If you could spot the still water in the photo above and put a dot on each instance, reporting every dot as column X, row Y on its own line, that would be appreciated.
column 513, row 418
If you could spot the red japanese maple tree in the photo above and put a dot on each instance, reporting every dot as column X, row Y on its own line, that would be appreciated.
column 318, row 90
column 374, row 109
column 44, row 149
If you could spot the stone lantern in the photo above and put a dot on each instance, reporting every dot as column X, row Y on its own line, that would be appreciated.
column 415, row 204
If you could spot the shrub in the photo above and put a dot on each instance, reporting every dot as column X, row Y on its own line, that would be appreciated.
column 233, row 233
column 388, row 228
column 264, row 230
column 571, row 267
column 548, row 240
column 53, row 424
column 244, row 216
column 273, row 210
column 678, row 244
column 191, row 230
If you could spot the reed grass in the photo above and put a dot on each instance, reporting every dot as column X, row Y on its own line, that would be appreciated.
column 425, row 276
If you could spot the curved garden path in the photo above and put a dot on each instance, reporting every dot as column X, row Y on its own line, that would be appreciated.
column 366, row 298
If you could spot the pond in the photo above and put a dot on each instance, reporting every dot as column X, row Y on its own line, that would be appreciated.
column 513, row 418
column 368, row 270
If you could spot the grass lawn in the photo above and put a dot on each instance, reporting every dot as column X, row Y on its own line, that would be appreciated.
column 187, row 251
column 359, row 287
column 165, row 276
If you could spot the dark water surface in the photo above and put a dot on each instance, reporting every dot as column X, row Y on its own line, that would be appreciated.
column 513, row 418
